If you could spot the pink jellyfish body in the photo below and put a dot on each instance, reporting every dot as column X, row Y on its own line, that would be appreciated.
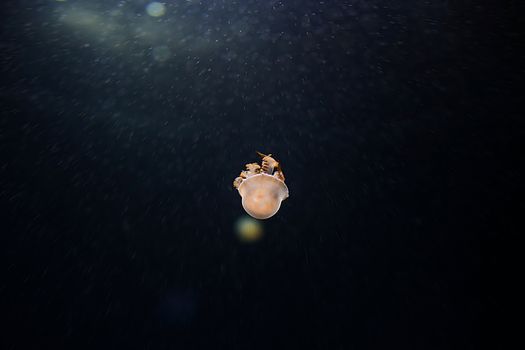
column 262, row 187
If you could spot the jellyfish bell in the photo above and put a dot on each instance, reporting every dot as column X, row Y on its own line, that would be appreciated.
column 262, row 190
column 262, row 195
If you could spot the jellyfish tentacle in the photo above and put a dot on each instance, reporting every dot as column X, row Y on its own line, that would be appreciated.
column 269, row 164
column 237, row 182
column 262, row 155
column 279, row 175
column 253, row 168
column 279, row 172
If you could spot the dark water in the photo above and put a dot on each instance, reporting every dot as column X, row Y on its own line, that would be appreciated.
column 122, row 133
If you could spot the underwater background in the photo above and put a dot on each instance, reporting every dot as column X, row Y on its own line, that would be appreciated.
column 124, row 124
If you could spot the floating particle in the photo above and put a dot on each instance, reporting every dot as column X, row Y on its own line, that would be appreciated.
column 161, row 53
column 156, row 9
column 248, row 229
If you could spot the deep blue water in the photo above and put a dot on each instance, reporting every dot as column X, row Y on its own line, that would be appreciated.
column 121, row 134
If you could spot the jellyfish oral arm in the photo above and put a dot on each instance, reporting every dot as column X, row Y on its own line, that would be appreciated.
column 279, row 175
column 269, row 164
column 237, row 182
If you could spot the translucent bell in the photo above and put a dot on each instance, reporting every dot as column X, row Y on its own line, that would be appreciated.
column 262, row 195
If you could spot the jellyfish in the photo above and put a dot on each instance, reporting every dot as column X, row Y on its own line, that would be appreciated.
column 262, row 187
